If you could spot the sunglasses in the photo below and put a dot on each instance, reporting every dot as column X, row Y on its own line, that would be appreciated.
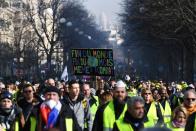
column 190, row 99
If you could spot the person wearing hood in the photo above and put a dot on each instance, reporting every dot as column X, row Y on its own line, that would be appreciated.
column 115, row 109
column 79, row 105
column 11, row 117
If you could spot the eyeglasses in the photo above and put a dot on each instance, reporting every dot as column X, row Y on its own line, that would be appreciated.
column 28, row 91
column 190, row 99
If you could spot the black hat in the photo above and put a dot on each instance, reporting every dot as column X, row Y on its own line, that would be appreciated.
column 5, row 95
column 52, row 89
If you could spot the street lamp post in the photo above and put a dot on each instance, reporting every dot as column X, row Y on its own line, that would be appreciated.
column 67, row 24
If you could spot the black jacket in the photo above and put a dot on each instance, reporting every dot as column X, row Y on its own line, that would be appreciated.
column 8, row 118
column 65, row 112
column 190, row 122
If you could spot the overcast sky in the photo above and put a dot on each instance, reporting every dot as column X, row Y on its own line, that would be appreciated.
column 109, row 7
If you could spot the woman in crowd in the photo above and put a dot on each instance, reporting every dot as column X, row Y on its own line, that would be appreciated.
column 178, row 120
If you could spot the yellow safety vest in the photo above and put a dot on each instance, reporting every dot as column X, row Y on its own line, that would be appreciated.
column 16, row 126
column 195, row 124
column 33, row 123
column 149, row 123
column 166, row 112
column 122, row 126
column 170, row 126
column 94, row 107
column 152, row 113
column 131, row 94
column 68, row 123
column 109, row 116
column 176, row 99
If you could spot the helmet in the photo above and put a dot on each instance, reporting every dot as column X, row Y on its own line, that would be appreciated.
column 5, row 94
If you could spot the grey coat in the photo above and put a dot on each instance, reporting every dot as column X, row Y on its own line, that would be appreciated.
column 81, row 108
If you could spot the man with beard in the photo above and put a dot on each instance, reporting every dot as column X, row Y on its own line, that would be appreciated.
column 134, row 119
column 110, row 112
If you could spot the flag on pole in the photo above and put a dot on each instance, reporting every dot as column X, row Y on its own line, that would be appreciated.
column 64, row 75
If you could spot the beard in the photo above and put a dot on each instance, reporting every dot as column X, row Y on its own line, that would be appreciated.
column 120, row 101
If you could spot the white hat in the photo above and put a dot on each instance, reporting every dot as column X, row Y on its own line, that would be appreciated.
column 120, row 84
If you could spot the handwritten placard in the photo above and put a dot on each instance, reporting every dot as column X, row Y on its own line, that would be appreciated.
column 97, row 62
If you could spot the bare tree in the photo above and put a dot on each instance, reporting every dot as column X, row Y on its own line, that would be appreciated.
column 171, row 22
column 44, row 18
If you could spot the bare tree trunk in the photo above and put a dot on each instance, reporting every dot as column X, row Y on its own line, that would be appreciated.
column 188, row 64
column 49, row 65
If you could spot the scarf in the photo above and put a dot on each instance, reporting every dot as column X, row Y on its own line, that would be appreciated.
column 190, row 110
column 7, row 117
column 50, row 112
column 178, row 125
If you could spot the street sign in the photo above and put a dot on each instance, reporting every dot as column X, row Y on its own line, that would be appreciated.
column 97, row 62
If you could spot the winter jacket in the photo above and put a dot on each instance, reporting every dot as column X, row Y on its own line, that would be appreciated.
column 81, row 109
column 35, row 122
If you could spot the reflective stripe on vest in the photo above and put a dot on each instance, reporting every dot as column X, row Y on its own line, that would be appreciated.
column 16, row 126
column 122, row 126
column 33, row 123
column 166, row 112
column 195, row 124
column 109, row 116
column 152, row 113
column 170, row 126
column 94, row 107
column 69, row 124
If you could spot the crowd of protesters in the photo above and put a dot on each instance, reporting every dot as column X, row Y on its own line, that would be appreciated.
column 112, row 105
